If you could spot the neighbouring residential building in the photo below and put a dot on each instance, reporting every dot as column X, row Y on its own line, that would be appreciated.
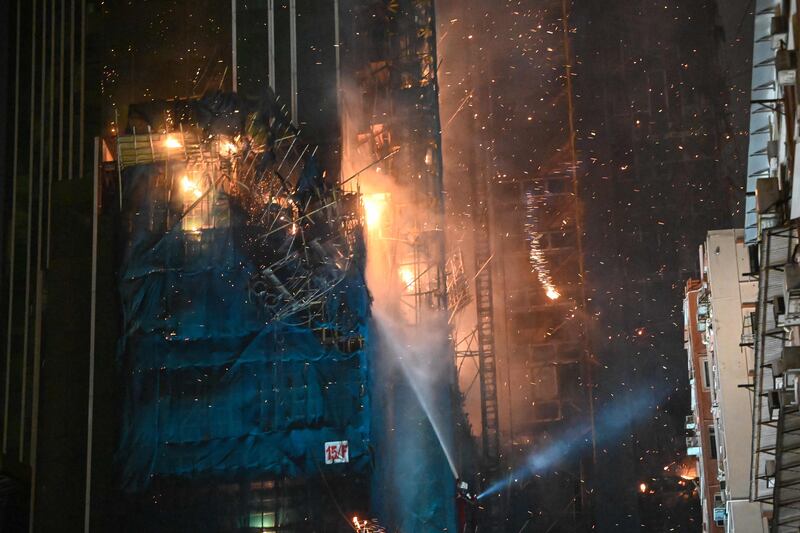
column 772, row 211
column 700, row 424
column 717, row 307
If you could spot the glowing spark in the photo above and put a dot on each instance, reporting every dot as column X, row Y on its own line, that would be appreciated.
column 374, row 206
column 642, row 487
column 552, row 293
column 172, row 142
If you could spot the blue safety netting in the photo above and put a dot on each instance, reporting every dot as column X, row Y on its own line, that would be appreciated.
column 213, row 385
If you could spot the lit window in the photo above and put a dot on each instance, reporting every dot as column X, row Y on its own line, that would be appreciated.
column 262, row 519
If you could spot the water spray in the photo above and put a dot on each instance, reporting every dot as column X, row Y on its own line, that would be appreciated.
column 405, row 352
column 610, row 424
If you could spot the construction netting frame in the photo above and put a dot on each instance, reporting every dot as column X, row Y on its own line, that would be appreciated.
column 245, row 312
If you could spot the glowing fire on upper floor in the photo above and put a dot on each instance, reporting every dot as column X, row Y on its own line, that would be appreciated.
column 375, row 205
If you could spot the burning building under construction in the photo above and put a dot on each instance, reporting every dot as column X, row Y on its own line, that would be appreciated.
column 253, row 281
column 202, row 188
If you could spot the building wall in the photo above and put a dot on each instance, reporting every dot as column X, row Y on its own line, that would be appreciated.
column 725, row 264
column 46, row 274
column 700, row 382
column 771, row 214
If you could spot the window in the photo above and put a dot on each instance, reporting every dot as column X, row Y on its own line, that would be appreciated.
column 706, row 373
column 261, row 520
column 712, row 441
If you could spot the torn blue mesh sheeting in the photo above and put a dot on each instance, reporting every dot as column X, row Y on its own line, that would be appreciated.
column 212, row 384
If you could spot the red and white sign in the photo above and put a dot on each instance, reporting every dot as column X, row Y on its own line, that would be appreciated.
column 337, row 452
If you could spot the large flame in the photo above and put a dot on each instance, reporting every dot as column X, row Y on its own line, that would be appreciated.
column 374, row 206
column 406, row 273
column 191, row 187
column 172, row 142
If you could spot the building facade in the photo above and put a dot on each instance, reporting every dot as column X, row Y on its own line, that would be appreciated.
column 700, row 424
column 772, row 211
column 114, row 361
column 722, row 363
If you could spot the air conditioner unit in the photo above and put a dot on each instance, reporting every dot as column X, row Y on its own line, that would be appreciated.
column 773, row 403
column 767, row 194
column 773, row 151
column 719, row 516
column 790, row 359
column 792, row 294
column 769, row 472
column 792, row 277
column 786, row 66
column 778, row 308
column 779, row 31
column 753, row 258
column 693, row 446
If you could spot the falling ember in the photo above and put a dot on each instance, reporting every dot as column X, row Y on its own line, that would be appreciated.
column 374, row 206
column 642, row 487
column 536, row 253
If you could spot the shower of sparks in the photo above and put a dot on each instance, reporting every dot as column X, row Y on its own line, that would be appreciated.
column 536, row 253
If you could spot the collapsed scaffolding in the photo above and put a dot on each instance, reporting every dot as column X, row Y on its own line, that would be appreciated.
column 245, row 315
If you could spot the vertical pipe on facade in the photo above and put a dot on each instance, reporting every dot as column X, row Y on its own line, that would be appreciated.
column 337, row 52
column 234, row 60
column 439, row 185
column 271, row 43
column 50, row 142
column 71, row 143
column 92, row 329
column 38, row 301
column 339, row 105
column 81, row 86
column 31, row 138
column 61, row 93
column 293, row 54
column 12, row 233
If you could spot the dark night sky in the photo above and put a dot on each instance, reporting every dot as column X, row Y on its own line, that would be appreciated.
column 662, row 93
column 663, row 132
